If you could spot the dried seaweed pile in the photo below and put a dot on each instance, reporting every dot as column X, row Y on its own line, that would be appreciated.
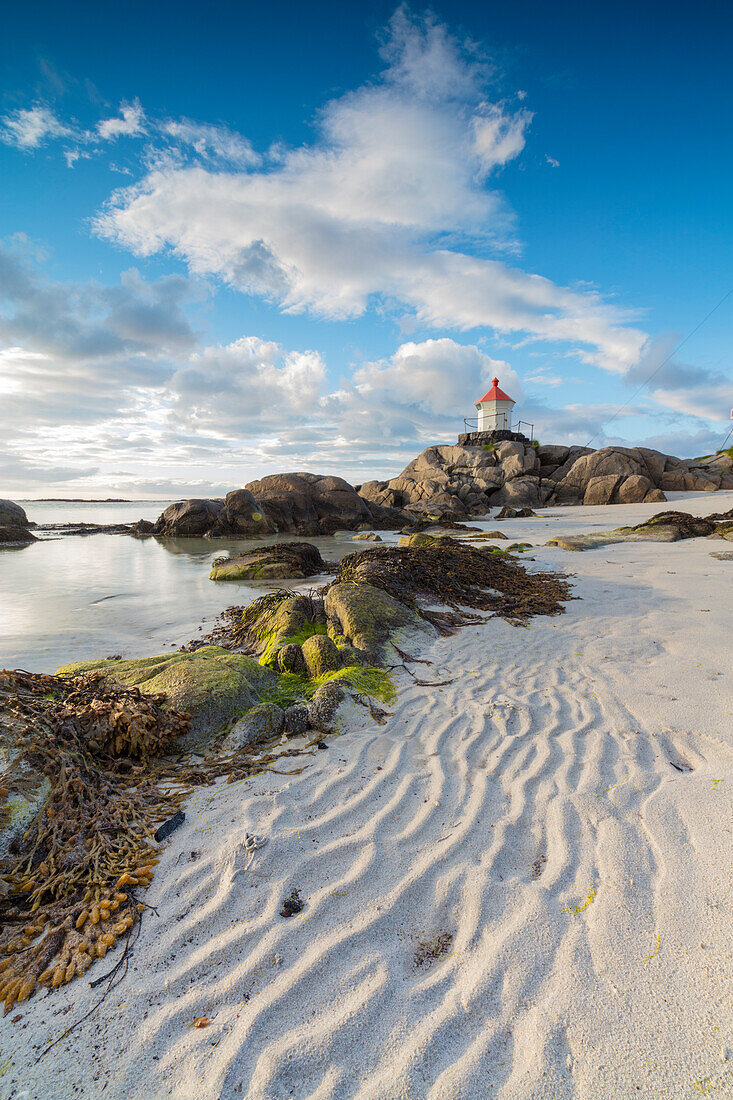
column 122, row 722
column 459, row 576
column 68, row 892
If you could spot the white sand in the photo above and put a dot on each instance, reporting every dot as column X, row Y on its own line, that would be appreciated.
column 541, row 777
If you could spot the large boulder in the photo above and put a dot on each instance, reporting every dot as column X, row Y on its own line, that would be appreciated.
column 321, row 655
column 14, row 525
column 190, row 518
column 517, row 459
column 244, row 516
column 601, row 490
column 612, row 475
column 310, row 504
column 520, row 491
column 212, row 684
column 635, row 489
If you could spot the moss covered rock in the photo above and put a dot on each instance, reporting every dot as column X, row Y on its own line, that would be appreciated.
column 664, row 527
column 420, row 539
column 282, row 561
column 321, row 655
column 290, row 659
column 323, row 707
column 213, row 684
column 278, row 620
column 24, row 788
column 371, row 620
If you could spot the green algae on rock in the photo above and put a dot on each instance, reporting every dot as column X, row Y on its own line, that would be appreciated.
column 281, row 561
column 277, row 620
column 212, row 684
column 371, row 620
column 321, row 655
column 421, row 538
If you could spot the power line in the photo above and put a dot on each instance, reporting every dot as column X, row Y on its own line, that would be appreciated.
column 662, row 364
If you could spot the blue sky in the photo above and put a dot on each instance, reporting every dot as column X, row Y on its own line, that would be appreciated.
column 306, row 237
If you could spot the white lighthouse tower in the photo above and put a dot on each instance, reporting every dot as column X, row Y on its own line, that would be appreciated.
column 495, row 410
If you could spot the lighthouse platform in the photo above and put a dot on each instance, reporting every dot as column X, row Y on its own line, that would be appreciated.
column 486, row 439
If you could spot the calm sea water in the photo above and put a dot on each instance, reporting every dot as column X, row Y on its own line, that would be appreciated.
column 81, row 597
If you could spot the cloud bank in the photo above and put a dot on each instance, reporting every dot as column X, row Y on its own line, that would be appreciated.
column 394, row 211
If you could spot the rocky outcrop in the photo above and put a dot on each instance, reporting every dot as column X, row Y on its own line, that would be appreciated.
column 263, row 722
column 444, row 484
column 310, row 504
column 303, row 504
column 14, row 525
column 190, row 519
column 371, row 620
column 453, row 482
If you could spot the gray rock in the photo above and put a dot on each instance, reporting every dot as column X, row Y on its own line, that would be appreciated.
column 323, row 707
column 601, row 490
column 634, row 489
column 296, row 720
column 243, row 515
column 14, row 524
column 551, row 455
column 190, row 518
column 263, row 722
column 520, row 491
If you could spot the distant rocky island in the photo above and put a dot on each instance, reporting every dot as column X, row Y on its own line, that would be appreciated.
column 444, row 483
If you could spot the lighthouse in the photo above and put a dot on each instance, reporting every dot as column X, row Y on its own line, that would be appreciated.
column 495, row 410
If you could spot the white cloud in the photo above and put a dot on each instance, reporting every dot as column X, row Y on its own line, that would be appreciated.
column 29, row 128
column 212, row 142
column 129, row 123
column 435, row 377
column 499, row 137
column 247, row 387
column 703, row 392
column 389, row 205
column 552, row 161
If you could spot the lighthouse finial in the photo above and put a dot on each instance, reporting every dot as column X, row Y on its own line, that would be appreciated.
column 495, row 381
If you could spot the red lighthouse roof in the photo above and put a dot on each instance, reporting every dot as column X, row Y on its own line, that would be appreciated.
column 495, row 394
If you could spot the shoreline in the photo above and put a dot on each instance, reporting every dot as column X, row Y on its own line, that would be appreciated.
column 556, row 808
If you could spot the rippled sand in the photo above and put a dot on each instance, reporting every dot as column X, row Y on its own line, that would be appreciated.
column 554, row 824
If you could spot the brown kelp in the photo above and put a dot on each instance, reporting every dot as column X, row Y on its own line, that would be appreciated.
column 68, row 886
column 460, row 577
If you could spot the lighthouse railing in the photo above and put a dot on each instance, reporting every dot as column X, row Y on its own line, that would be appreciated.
column 471, row 425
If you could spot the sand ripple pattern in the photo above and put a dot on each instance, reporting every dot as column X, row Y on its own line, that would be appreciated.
column 556, row 832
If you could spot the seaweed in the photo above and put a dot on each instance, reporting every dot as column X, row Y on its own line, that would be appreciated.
column 71, row 888
column 69, row 893
column 460, row 577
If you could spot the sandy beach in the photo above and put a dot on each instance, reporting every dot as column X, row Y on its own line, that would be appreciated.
column 518, row 887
